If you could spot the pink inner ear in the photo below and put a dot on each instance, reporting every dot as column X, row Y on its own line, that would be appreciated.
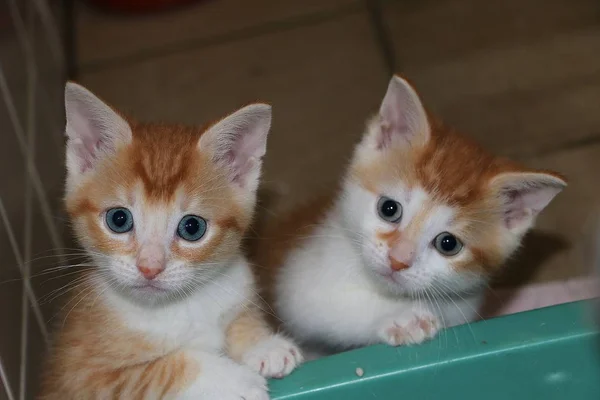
column 527, row 202
column 402, row 116
column 93, row 128
column 90, row 150
column 87, row 149
column 238, row 143
column 240, row 166
column 516, row 210
column 389, row 130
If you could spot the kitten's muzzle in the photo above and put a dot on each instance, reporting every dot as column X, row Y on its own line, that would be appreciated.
column 151, row 261
column 401, row 255
column 149, row 273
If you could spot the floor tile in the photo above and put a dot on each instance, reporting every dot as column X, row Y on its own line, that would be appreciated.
column 520, row 124
column 511, row 75
column 322, row 80
column 102, row 36
column 430, row 31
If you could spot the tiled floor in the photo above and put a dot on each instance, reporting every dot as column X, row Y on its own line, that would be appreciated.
column 521, row 76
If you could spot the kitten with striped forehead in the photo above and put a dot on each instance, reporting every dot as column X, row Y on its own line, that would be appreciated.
column 423, row 219
column 169, row 309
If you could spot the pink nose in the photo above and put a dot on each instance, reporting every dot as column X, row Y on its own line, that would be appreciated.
column 397, row 265
column 151, row 260
column 402, row 255
column 149, row 273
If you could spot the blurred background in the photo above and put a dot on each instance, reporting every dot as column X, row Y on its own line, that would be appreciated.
column 520, row 76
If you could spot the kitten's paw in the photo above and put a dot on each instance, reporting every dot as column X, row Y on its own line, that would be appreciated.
column 248, row 385
column 274, row 357
column 409, row 328
column 224, row 379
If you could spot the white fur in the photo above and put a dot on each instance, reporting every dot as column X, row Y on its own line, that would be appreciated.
column 196, row 324
column 339, row 288
column 155, row 231
column 331, row 290
column 193, row 316
column 186, row 307
column 275, row 357
column 197, row 320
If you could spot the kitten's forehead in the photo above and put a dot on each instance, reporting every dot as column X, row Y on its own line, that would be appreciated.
column 455, row 169
column 450, row 168
column 166, row 163
column 166, row 157
column 163, row 166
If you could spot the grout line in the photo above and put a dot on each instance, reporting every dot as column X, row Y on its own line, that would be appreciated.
column 5, row 382
column 382, row 34
column 19, row 258
column 271, row 27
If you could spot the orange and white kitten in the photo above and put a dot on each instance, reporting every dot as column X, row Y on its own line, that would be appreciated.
column 423, row 219
column 170, row 308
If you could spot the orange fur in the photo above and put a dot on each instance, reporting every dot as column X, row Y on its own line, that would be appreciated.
column 87, row 362
column 456, row 171
column 162, row 159
column 450, row 167
column 245, row 331
column 87, row 359
column 270, row 246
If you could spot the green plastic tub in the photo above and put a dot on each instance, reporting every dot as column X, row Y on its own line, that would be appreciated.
column 550, row 353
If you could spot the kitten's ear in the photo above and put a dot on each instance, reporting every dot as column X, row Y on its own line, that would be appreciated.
column 524, row 195
column 238, row 142
column 402, row 118
column 93, row 130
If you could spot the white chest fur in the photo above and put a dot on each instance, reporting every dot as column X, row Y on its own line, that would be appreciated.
column 324, row 295
column 197, row 321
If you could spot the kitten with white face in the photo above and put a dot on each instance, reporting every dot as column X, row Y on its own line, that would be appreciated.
column 423, row 219
column 169, row 309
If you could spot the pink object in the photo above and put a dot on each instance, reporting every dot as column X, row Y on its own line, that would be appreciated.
column 533, row 296
column 402, row 254
column 151, row 260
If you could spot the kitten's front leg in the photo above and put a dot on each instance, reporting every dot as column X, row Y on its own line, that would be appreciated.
column 221, row 378
column 251, row 342
column 410, row 326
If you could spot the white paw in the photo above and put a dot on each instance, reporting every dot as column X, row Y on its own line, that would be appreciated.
column 227, row 380
column 274, row 357
column 409, row 328
column 246, row 384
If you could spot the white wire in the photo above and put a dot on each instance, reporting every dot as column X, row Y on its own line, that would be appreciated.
column 27, row 284
column 4, row 379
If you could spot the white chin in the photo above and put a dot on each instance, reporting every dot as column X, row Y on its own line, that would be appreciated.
column 150, row 293
column 400, row 285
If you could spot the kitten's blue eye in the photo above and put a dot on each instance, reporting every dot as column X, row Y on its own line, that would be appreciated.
column 191, row 228
column 389, row 210
column 119, row 220
column 447, row 244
